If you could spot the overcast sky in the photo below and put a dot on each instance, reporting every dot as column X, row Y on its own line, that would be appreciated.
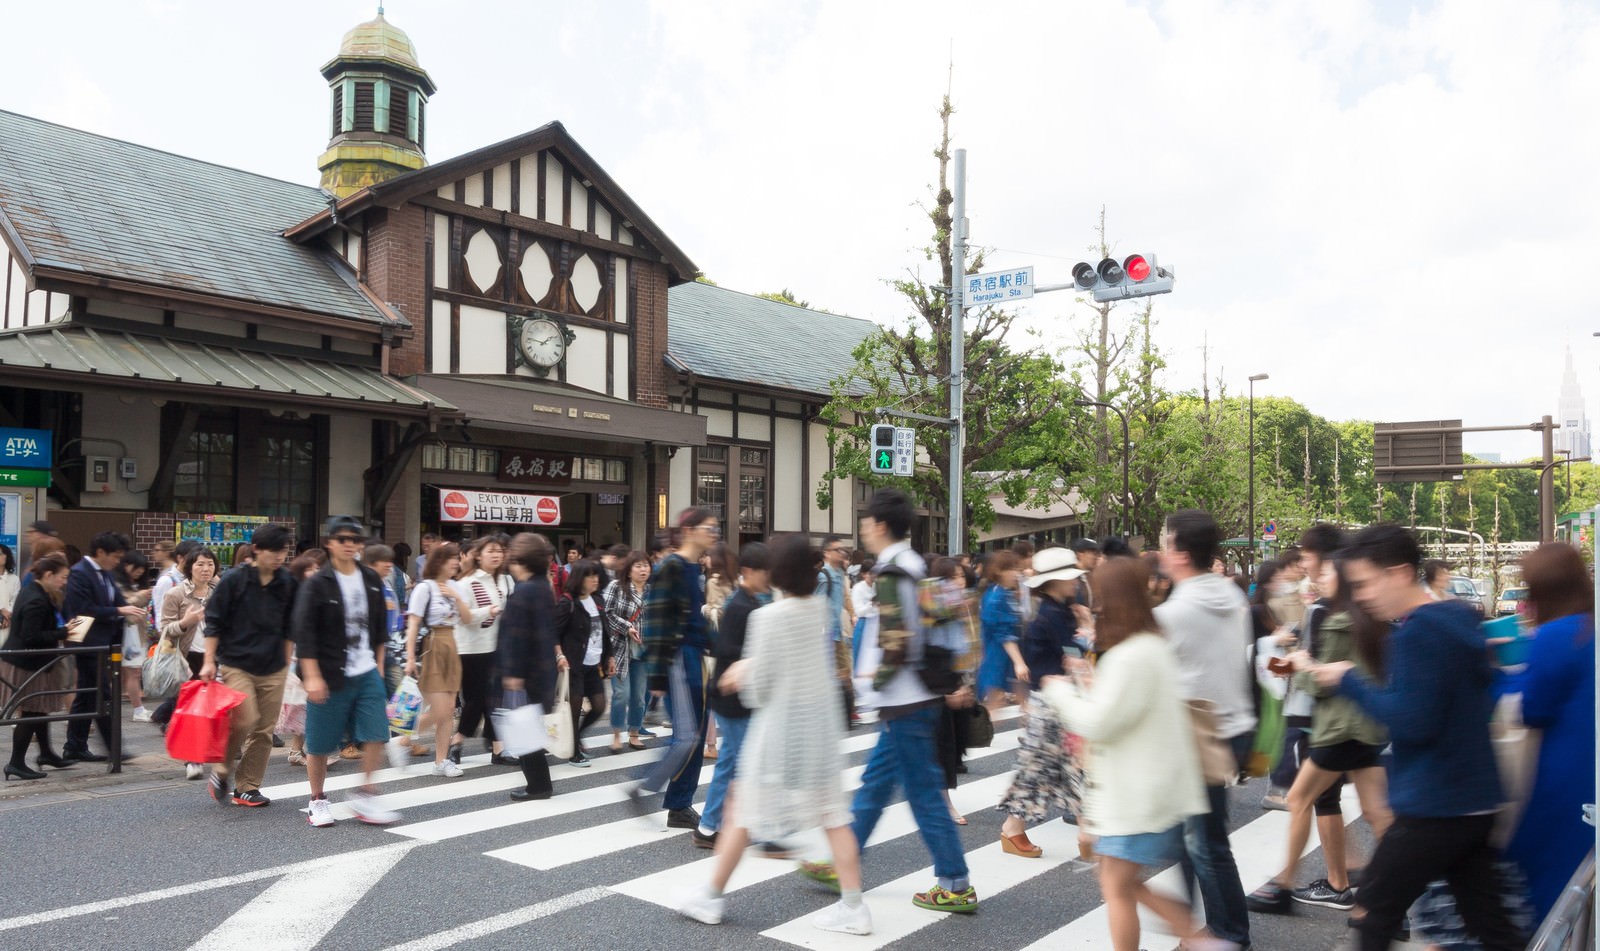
column 1389, row 207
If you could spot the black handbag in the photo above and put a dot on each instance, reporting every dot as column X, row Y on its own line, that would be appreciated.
column 980, row 729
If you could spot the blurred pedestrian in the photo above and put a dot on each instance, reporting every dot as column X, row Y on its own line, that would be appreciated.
column 789, row 773
column 733, row 717
column 92, row 592
column 1001, row 619
column 624, row 601
column 1143, row 766
column 37, row 623
column 486, row 584
column 581, row 626
column 1435, row 701
column 436, row 603
column 527, row 647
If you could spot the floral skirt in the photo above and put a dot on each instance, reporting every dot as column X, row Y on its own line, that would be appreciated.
column 1049, row 772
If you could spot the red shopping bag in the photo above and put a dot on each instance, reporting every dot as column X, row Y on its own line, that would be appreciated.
column 198, row 732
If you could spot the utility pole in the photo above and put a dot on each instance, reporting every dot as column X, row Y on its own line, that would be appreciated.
column 958, row 356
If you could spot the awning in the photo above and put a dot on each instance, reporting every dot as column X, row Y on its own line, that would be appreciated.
column 65, row 353
column 532, row 407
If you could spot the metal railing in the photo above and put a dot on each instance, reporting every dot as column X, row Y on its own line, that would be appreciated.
column 1570, row 924
column 107, row 689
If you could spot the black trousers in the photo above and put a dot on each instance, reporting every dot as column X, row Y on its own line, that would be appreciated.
column 584, row 681
column 476, row 669
column 1416, row 851
column 84, row 701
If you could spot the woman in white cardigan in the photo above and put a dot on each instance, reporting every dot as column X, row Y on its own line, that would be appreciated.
column 1143, row 762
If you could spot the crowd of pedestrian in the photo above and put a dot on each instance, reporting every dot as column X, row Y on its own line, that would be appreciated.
column 1148, row 686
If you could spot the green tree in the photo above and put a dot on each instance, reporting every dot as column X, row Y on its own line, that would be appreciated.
column 1015, row 394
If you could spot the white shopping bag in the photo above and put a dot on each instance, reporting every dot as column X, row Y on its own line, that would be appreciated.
column 520, row 728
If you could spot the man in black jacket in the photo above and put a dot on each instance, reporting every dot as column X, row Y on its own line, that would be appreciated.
column 341, row 629
column 92, row 592
column 248, row 648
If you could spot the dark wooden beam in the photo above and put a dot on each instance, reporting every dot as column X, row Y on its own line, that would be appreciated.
column 385, row 475
column 161, row 485
column 534, row 225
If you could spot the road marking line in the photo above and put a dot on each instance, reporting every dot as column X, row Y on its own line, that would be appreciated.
column 300, row 909
column 193, row 888
column 583, row 844
column 498, row 923
column 664, row 888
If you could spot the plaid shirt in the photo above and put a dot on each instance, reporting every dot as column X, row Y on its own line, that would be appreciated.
column 672, row 617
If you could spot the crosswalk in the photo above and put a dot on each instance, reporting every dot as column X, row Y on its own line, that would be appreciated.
column 584, row 856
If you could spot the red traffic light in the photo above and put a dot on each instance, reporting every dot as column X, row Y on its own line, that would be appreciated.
column 1136, row 267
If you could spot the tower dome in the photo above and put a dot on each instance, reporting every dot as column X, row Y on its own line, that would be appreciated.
column 380, row 92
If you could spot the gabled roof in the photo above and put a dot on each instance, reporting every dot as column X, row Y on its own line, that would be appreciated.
column 719, row 334
column 89, row 205
column 553, row 135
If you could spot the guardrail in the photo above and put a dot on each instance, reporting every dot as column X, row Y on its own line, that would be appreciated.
column 107, row 660
column 1570, row 924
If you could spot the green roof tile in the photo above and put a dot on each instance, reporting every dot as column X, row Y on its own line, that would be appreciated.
column 101, row 206
column 720, row 334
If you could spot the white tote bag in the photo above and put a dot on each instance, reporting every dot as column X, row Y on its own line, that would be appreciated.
column 558, row 722
column 520, row 726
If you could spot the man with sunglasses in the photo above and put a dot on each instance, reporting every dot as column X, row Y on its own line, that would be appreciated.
column 832, row 585
column 341, row 629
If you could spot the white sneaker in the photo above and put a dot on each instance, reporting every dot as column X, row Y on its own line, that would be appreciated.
column 446, row 768
column 844, row 919
column 700, row 906
column 141, row 715
column 399, row 753
column 193, row 771
column 371, row 810
column 321, row 813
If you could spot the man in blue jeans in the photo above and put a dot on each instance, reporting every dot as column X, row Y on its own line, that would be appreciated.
column 909, row 710
column 733, row 717
column 1206, row 619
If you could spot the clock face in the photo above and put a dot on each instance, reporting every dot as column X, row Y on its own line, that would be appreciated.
column 543, row 342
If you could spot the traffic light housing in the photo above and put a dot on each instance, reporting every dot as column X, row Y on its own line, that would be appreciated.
column 1137, row 275
column 882, row 449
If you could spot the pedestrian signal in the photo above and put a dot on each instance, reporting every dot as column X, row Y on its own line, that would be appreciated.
column 883, row 449
column 1136, row 275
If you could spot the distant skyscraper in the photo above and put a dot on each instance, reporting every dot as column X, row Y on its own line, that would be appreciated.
column 1573, row 436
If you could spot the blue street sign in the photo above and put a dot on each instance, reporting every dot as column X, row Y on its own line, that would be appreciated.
column 25, row 449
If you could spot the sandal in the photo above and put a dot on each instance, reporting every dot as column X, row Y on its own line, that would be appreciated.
column 636, row 745
column 297, row 757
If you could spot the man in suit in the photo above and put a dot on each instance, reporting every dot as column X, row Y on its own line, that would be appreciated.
column 91, row 592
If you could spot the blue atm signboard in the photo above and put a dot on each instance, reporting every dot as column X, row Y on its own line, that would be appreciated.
column 25, row 449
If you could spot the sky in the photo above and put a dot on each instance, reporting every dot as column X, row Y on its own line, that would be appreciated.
column 1388, row 207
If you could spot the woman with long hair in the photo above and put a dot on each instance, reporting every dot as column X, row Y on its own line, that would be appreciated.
column 1143, row 769
column 624, row 600
column 29, row 682
column 722, row 577
column 1558, row 700
column 10, row 587
column 436, row 603
column 1342, row 741
column 1001, row 620
column 132, row 578
column 487, row 584
column 789, row 775
column 581, row 627
column 526, row 647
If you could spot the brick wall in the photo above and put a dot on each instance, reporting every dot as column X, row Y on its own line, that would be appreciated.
column 396, row 273
column 650, row 334
column 152, row 527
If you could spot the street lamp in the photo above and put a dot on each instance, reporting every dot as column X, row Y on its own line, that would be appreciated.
column 1250, row 531
column 1126, row 496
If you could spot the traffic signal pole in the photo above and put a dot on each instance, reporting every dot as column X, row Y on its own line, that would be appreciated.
column 958, row 355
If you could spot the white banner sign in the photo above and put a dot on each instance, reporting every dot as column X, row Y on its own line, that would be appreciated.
column 468, row 505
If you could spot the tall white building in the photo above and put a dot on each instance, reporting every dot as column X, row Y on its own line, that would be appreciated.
column 1573, row 436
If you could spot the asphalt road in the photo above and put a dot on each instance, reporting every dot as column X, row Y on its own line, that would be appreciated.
column 164, row 867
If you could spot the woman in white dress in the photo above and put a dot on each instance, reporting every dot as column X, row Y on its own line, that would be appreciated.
column 790, row 767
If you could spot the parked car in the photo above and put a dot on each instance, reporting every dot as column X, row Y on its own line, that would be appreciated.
column 1466, row 589
column 1511, row 601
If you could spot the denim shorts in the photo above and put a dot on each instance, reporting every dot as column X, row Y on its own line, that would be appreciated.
column 359, row 709
column 1150, row 849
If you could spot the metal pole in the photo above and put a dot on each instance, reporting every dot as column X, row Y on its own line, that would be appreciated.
column 958, row 355
column 1547, row 483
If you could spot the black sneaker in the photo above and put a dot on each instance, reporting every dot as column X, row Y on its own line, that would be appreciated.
column 685, row 818
column 775, row 850
column 1321, row 893
column 218, row 787
column 251, row 798
column 1270, row 899
column 703, row 841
